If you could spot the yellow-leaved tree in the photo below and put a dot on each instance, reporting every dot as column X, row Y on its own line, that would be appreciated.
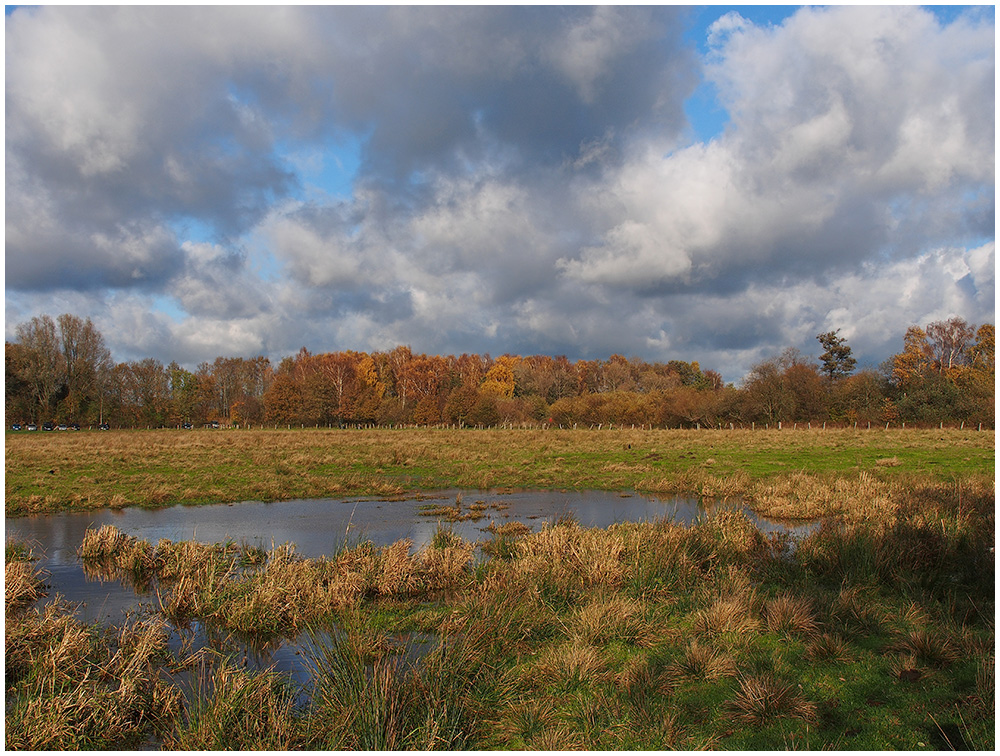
column 499, row 379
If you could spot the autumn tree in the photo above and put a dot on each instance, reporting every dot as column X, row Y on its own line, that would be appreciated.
column 781, row 388
column 499, row 379
column 17, row 390
column 62, row 364
column 807, row 388
column 460, row 404
column 860, row 398
column 948, row 341
column 142, row 393
column 615, row 374
column 910, row 366
column 183, row 393
column 977, row 379
column 982, row 354
column 545, row 377
column 368, row 393
column 283, row 399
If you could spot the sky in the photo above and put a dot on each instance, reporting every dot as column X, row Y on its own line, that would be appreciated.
column 710, row 183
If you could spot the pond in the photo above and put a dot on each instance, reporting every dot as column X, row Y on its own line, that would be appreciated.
column 318, row 528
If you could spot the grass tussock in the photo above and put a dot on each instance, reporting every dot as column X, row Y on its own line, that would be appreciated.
column 790, row 615
column 703, row 662
column 728, row 614
column 71, row 687
column 570, row 665
column 829, row 647
column 762, row 699
column 239, row 710
column 615, row 618
column 22, row 580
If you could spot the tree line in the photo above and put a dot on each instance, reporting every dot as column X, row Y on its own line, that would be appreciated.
column 61, row 371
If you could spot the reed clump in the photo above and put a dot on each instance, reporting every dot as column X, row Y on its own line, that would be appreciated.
column 71, row 687
column 566, row 561
column 22, row 580
column 111, row 546
column 239, row 710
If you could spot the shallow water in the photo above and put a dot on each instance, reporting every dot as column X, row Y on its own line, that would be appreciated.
column 320, row 527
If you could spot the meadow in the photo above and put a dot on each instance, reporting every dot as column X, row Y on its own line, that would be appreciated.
column 874, row 632
column 47, row 472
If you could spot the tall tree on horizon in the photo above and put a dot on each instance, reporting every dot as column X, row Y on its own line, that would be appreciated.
column 836, row 361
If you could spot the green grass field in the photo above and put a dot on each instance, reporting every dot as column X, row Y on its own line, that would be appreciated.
column 56, row 471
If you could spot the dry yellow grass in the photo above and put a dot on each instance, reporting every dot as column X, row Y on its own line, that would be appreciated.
column 763, row 698
column 703, row 662
column 790, row 615
column 21, row 585
column 614, row 618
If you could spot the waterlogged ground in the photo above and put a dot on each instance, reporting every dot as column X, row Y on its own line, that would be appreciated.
column 321, row 527
column 317, row 528
column 873, row 632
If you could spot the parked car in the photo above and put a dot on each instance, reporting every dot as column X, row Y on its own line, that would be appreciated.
column 15, row 426
column 47, row 426
column 187, row 426
column 104, row 426
column 74, row 426
column 32, row 427
column 63, row 426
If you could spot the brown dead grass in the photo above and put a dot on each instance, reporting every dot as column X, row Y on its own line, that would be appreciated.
column 761, row 699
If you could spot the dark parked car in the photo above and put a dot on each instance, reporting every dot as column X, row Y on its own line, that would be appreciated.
column 104, row 426
column 16, row 426
column 187, row 426
column 48, row 426
column 74, row 426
